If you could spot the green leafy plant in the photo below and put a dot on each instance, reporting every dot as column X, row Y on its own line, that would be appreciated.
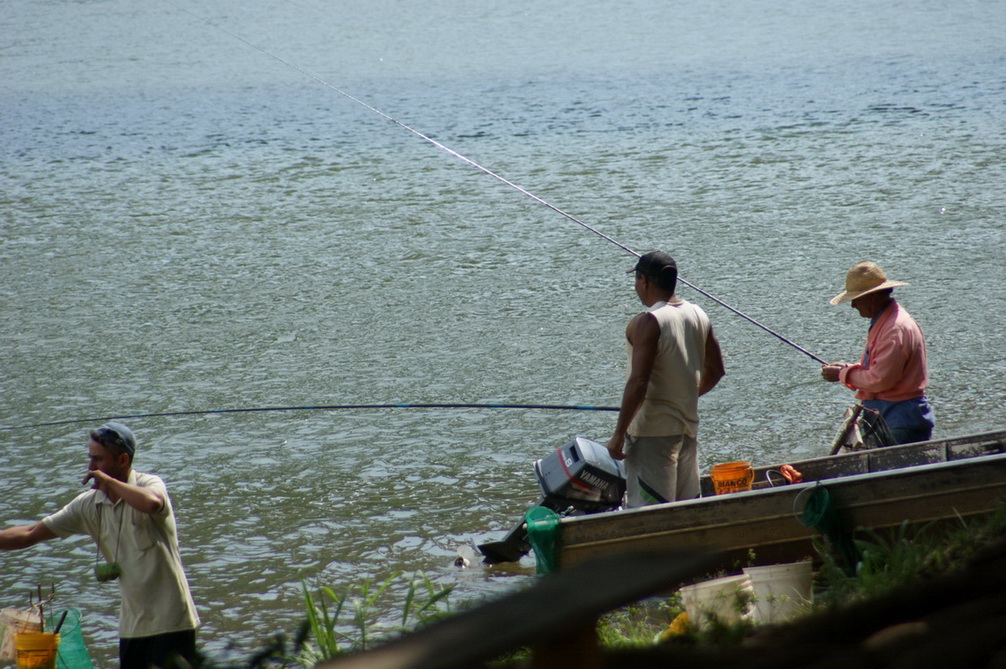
column 636, row 625
column 322, row 623
column 330, row 634
column 434, row 606
column 904, row 555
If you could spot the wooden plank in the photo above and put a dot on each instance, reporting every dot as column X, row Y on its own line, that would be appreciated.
column 557, row 614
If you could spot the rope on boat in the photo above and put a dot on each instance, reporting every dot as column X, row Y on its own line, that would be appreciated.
column 328, row 407
column 480, row 168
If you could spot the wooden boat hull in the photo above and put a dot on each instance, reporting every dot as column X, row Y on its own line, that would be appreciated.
column 877, row 489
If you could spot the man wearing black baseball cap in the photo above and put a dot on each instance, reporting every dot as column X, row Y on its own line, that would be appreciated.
column 673, row 359
column 129, row 515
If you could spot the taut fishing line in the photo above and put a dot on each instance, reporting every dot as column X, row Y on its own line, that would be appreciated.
column 467, row 161
column 329, row 407
column 484, row 170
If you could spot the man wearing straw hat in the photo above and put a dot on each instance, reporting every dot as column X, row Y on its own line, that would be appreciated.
column 891, row 376
column 129, row 515
column 673, row 359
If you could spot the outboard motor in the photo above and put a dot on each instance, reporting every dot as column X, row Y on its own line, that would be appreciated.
column 579, row 478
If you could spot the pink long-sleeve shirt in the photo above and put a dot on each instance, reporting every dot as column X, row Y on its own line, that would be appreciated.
column 896, row 366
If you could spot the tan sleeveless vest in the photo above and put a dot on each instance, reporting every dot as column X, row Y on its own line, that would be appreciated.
column 671, row 406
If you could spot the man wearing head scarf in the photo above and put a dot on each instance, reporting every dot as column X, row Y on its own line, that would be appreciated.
column 129, row 516
column 891, row 376
column 673, row 359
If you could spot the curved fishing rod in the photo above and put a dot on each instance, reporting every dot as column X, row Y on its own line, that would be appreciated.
column 753, row 321
column 328, row 407
column 482, row 169
column 392, row 119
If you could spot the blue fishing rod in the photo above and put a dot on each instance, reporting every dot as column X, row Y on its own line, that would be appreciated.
column 323, row 407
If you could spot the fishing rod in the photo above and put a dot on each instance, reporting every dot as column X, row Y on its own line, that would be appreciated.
column 328, row 407
column 484, row 170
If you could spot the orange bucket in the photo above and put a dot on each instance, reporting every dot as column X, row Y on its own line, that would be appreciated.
column 731, row 477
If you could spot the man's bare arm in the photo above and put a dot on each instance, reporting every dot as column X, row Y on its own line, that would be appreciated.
column 23, row 536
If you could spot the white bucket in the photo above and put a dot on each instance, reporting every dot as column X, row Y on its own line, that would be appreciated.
column 724, row 599
column 781, row 590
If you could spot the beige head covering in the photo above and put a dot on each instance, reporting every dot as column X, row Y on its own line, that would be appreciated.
column 866, row 277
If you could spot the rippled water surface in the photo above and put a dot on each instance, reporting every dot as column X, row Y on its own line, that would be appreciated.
column 189, row 222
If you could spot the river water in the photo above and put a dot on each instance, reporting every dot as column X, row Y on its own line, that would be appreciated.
column 192, row 221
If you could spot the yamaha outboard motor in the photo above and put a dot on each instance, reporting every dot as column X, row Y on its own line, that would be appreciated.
column 579, row 478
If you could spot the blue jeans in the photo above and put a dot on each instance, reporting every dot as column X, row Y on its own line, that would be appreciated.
column 909, row 421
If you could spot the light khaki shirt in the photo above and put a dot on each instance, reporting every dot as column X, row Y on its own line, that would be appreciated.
column 155, row 592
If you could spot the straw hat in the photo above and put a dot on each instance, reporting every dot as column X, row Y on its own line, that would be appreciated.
column 866, row 277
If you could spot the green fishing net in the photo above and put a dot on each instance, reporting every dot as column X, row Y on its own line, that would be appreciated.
column 821, row 513
column 542, row 532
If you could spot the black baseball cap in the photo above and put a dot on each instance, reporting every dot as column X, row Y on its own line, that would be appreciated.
column 654, row 263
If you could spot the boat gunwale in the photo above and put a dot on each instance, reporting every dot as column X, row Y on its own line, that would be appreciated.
column 791, row 488
column 956, row 485
column 989, row 438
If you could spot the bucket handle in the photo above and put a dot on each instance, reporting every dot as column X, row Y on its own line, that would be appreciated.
column 768, row 477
